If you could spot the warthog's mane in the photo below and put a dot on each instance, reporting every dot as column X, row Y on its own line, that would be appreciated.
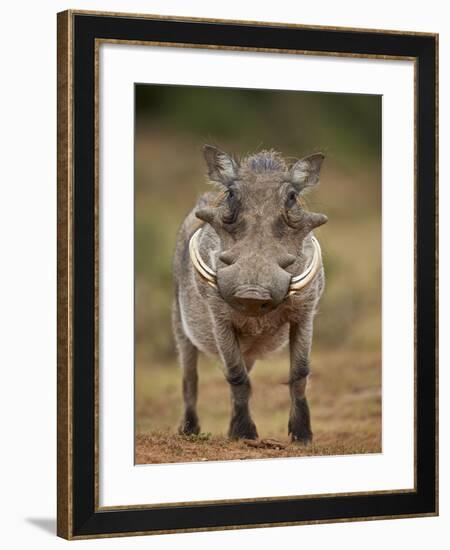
column 264, row 161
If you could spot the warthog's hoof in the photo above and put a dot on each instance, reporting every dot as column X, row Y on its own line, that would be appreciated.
column 300, row 433
column 242, row 428
column 302, row 439
column 189, row 425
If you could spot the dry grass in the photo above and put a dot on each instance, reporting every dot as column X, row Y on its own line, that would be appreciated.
column 344, row 395
column 160, row 447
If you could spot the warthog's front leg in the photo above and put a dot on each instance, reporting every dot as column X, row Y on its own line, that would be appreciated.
column 188, row 361
column 300, row 344
column 236, row 374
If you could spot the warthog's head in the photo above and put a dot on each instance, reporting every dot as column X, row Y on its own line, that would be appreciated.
column 261, row 225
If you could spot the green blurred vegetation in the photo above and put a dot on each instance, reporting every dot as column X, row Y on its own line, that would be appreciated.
column 172, row 124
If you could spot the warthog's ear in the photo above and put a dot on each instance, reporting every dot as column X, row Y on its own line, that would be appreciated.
column 305, row 172
column 221, row 167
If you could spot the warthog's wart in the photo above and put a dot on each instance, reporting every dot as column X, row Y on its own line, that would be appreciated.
column 249, row 280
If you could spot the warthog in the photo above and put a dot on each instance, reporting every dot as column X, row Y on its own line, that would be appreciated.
column 249, row 276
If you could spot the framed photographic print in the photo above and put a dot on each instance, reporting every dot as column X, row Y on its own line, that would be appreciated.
column 247, row 272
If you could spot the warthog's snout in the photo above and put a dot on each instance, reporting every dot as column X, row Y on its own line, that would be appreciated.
column 253, row 285
column 253, row 301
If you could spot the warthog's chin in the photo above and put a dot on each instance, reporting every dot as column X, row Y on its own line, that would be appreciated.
column 253, row 311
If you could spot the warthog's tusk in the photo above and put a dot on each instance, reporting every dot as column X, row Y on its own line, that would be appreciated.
column 300, row 281
column 297, row 283
column 204, row 270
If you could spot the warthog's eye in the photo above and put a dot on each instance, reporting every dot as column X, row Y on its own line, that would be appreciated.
column 291, row 199
column 232, row 207
column 293, row 212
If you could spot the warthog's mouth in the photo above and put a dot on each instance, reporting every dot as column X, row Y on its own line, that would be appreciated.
column 297, row 282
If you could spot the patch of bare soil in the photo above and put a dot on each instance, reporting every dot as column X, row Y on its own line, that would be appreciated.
column 160, row 447
column 344, row 394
